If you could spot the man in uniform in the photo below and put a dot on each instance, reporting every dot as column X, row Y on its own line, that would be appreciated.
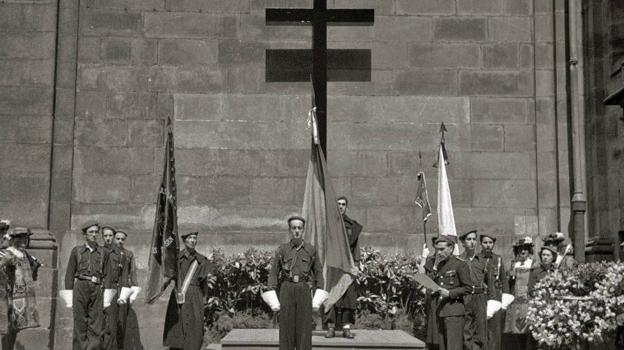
column 296, row 265
column 445, row 307
column 130, row 280
column 117, row 277
column 184, row 322
column 500, row 286
column 476, row 300
column 86, row 272
column 342, row 313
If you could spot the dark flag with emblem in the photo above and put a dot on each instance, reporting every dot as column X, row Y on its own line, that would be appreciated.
column 324, row 226
column 163, row 266
column 422, row 196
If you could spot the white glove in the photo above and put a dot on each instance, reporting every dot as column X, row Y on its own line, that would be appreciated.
column 507, row 299
column 124, row 295
column 492, row 307
column 270, row 297
column 425, row 251
column 135, row 293
column 109, row 294
column 67, row 295
column 319, row 297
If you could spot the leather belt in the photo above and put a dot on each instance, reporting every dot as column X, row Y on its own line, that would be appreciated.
column 92, row 279
column 297, row 279
column 478, row 290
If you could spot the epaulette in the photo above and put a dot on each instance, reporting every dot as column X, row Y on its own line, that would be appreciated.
column 460, row 258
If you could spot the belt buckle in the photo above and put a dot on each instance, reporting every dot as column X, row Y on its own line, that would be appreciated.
column 295, row 278
column 94, row 279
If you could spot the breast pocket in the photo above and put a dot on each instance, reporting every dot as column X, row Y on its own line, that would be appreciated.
column 305, row 263
column 450, row 278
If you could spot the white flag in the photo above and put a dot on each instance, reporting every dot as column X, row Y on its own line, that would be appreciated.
column 446, row 220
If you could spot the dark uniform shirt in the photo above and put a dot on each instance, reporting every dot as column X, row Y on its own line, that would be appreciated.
column 86, row 263
column 495, row 265
column 353, row 233
column 453, row 275
column 116, row 269
column 301, row 261
column 480, row 275
column 131, row 267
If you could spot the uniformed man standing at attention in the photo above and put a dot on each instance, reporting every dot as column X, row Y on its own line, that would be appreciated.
column 184, row 322
column 342, row 314
column 480, row 292
column 86, row 273
column 445, row 317
column 130, row 280
column 117, row 275
column 296, row 265
column 500, row 289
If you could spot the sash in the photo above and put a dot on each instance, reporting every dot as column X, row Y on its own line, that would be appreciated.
column 181, row 295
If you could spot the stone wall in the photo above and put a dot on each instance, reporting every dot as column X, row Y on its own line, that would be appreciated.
column 492, row 70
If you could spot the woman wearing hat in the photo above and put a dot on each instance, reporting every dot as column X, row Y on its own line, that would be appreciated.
column 516, row 328
column 21, row 272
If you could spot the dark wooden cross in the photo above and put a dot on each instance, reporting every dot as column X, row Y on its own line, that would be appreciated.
column 322, row 64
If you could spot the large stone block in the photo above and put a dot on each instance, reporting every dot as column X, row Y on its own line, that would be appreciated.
column 265, row 107
column 470, row 7
column 146, row 133
column 90, row 104
column 213, row 190
column 31, row 72
column 501, row 56
column 273, row 190
column 434, row 7
column 143, row 188
column 544, row 28
column 363, row 164
column 33, row 45
column 31, row 214
column 382, row 84
column 520, row 137
column 240, row 218
column 498, row 110
column 444, row 55
column 381, row 7
column 94, row 188
column 388, row 55
column 436, row 82
column 137, row 5
column 25, row 100
column 187, row 52
column 402, row 28
column 25, row 129
column 102, row 132
column 510, row 29
column 261, row 5
column 25, row 158
column 132, row 105
column 375, row 191
column 115, row 213
column 103, row 21
column 460, row 29
column 242, row 135
column 209, row 6
column 489, row 83
column 521, row 7
column 501, row 165
column 144, row 51
column 487, row 137
column 116, row 50
column 31, row 188
column 404, row 109
column 376, row 136
column 115, row 78
column 114, row 160
column 241, row 52
column 504, row 194
column 390, row 219
column 186, row 79
column 251, row 79
column 189, row 25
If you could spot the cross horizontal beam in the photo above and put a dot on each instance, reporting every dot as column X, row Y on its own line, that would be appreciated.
column 295, row 65
column 335, row 17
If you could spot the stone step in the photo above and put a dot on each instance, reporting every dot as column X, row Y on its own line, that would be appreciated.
column 266, row 339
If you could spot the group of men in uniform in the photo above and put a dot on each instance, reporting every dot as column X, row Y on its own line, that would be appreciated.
column 462, row 314
column 100, row 283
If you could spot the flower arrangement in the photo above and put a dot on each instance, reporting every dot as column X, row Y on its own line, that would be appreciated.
column 580, row 307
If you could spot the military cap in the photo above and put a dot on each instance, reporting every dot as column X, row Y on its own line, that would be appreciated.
column 343, row 197
column 5, row 224
column 296, row 217
column 88, row 224
column 108, row 227
column 19, row 232
column 484, row 235
column 445, row 238
column 524, row 241
column 121, row 231
column 194, row 233
column 463, row 236
column 434, row 239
